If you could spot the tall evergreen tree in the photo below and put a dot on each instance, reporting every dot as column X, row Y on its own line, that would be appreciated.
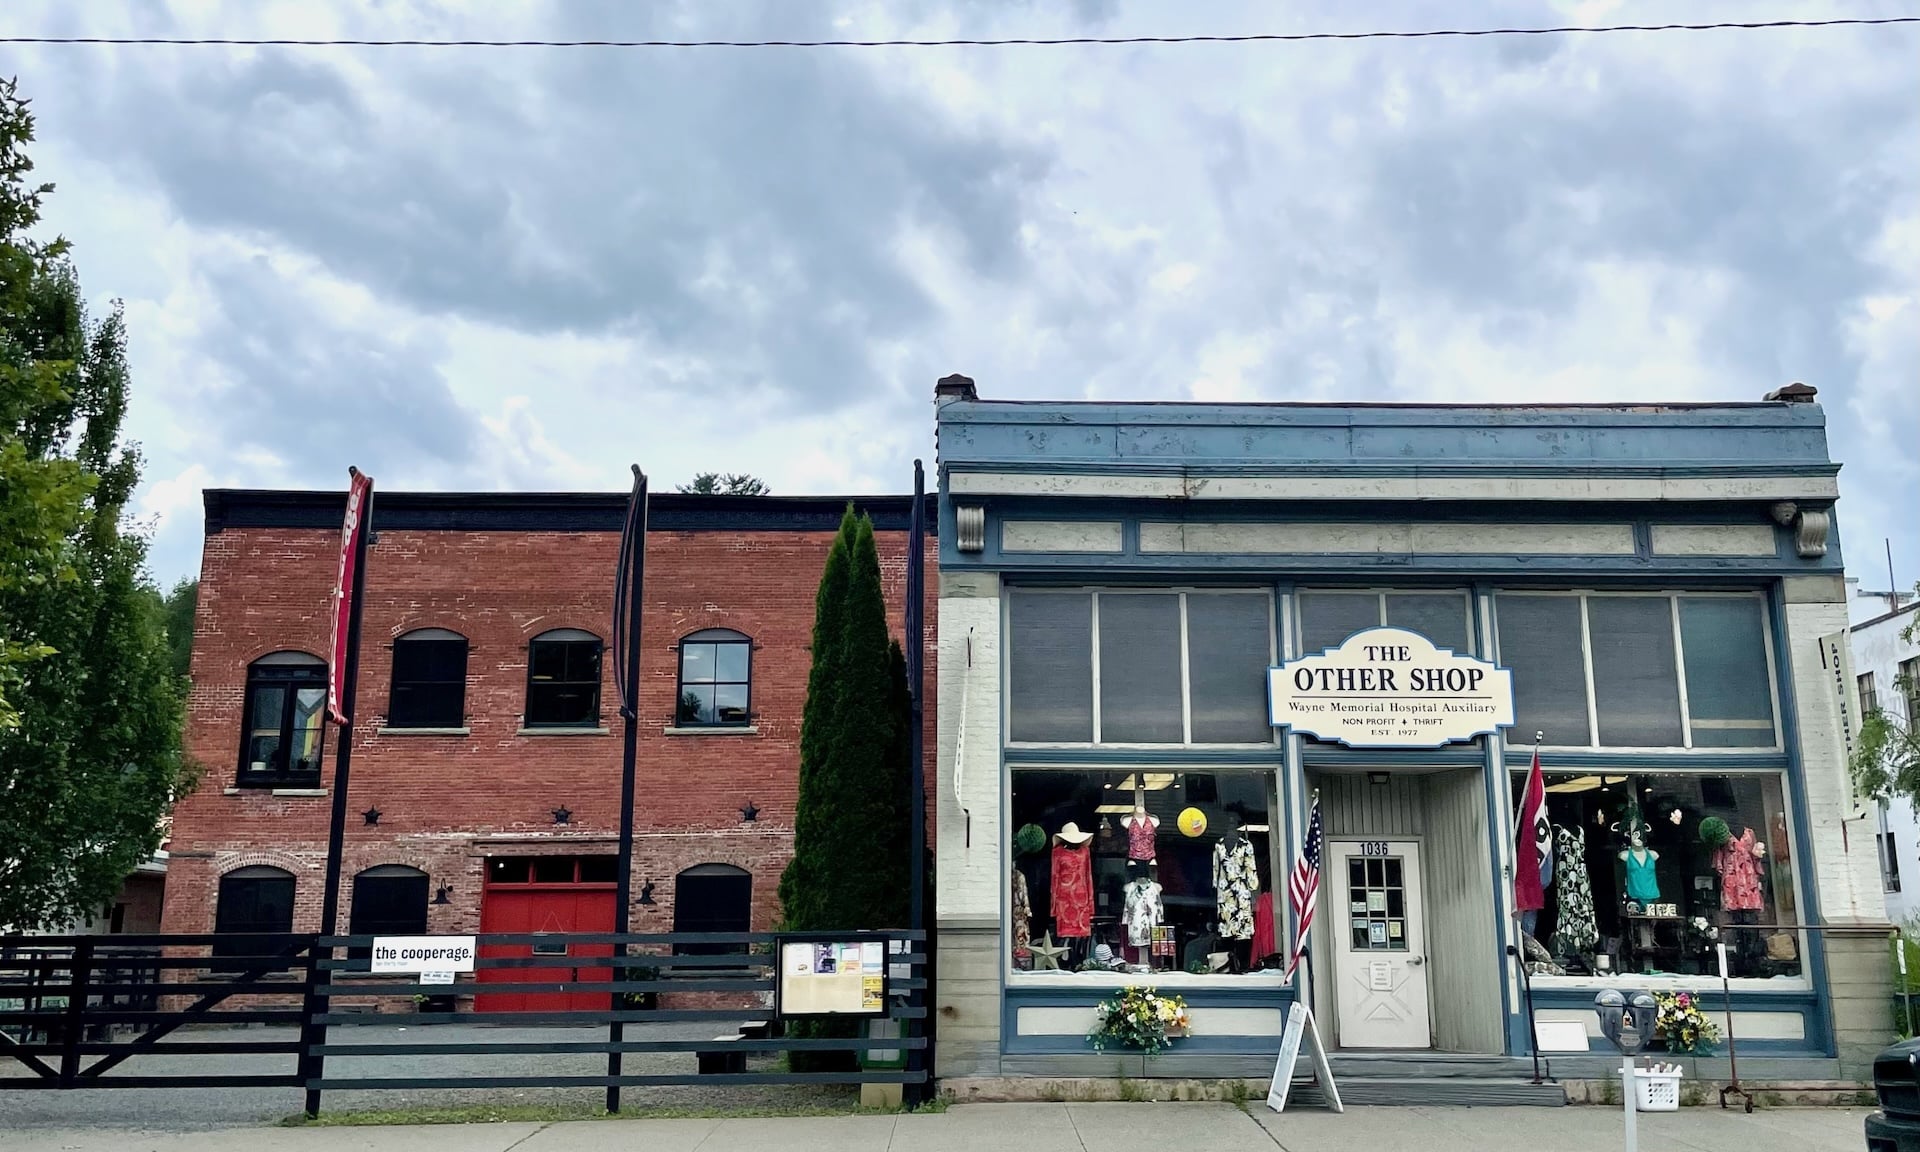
column 90, row 718
column 849, row 868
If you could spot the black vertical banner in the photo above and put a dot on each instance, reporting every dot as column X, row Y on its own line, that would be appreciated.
column 629, row 589
column 916, row 759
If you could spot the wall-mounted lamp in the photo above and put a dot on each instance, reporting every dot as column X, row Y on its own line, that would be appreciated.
column 1379, row 777
column 562, row 815
column 749, row 813
column 440, row 895
column 646, row 892
column 371, row 816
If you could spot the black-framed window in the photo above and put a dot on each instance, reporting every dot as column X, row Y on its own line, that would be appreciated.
column 712, row 898
column 563, row 679
column 429, row 680
column 284, row 726
column 258, row 898
column 716, row 678
column 388, row 900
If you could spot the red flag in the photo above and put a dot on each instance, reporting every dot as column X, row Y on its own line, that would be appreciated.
column 1530, row 832
column 359, row 492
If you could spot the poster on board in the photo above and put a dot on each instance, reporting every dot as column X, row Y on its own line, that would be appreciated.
column 830, row 976
column 1301, row 1030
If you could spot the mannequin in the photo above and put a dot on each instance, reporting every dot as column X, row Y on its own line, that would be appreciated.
column 1738, row 863
column 1642, row 884
column 1142, row 912
column 1236, row 881
column 1574, row 932
column 1072, row 890
column 1141, row 830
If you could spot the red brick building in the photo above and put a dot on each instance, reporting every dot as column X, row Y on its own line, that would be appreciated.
column 486, row 767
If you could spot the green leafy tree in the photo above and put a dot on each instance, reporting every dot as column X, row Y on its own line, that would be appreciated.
column 90, row 759
column 1886, row 760
column 727, row 484
column 180, row 606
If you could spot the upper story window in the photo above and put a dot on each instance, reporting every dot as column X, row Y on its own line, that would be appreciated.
column 1139, row 667
column 563, row 679
column 715, row 678
column 1639, row 670
column 1908, row 683
column 429, row 680
column 1868, row 692
column 284, row 721
column 1328, row 618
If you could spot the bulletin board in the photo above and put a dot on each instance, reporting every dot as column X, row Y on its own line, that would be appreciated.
column 841, row 974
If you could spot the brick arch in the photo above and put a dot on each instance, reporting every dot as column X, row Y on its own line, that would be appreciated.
column 418, row 621
column 283, row 860
column 255, row 652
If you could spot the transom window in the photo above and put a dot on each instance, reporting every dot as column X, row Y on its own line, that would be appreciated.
column 429, row 680
column 563, row 679
column 1328, row 618
column 1157, row 666
column 284, row 725
column 715, row 678
column 1639, row 670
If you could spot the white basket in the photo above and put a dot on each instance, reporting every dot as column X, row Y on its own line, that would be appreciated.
column 1657, row 1091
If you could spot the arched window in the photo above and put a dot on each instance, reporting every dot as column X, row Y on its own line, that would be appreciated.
column 716, row 678
column 253, row 899
column 388, row 900
column 429, row 680
column 712, row 898
column 284, row 725
column 563, row 679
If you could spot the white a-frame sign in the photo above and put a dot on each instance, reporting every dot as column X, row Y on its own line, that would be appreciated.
column 1300, row 1026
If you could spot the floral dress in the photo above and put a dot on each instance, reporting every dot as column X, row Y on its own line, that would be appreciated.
column 1575, row 932
column 1072, row 890
column 1235, row 880
column 1738, row 862
column 1022, row 914
column 1142, row 911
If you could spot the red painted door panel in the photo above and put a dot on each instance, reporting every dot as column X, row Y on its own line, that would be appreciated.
column 552, row 908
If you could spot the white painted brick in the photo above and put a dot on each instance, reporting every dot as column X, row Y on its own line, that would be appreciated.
column 969, row 822
column 1845, row 863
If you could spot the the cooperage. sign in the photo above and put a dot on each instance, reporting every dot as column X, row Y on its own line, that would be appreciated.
column 357, row 493
column 1390, row 688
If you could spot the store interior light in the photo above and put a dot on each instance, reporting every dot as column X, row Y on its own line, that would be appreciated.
column 1150, row 781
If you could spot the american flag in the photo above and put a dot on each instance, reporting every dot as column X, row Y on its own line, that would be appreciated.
column 1303, row 888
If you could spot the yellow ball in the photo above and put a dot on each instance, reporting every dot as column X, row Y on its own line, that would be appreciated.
column 1193, row 821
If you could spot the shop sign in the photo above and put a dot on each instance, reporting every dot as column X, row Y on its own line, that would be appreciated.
column 434, row 958
column 1390, row 688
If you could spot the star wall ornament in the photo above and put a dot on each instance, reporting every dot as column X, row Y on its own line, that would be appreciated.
column 1046, row 954
column 749, row 813
column 371, row 816
column 563, row 815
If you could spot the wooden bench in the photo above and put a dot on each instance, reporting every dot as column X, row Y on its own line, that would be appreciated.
column 718, row 1061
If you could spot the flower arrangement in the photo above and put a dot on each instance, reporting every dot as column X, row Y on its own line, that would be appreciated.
column 1685, row 1026
column 1139, row 1018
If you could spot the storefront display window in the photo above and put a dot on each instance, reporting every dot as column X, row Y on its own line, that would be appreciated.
column 1123, row 873
column 1130, row 666
column 1648, row 873
column 1639, row 670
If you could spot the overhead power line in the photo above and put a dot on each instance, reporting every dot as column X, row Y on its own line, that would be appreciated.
column 1006, row 42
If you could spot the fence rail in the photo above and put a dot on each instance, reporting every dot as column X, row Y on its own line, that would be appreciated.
column 74, row 1009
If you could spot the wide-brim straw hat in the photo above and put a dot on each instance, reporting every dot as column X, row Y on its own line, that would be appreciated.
column 1071, row 834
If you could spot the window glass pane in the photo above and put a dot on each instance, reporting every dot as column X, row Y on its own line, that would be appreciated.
column 696, row 704
column 1729, row 702
column 598, row 869
column 252, row 903
column 263, row 753
column 1050, row 666
column 546, row 660
column 387, row 906
column 1540, row 641
column 1713, row 864
column 730, row 703
column 730, row 662
column 696, row 662
column 1229, row 646
column 1636, row 686
column 508, row 870
column 1163, row 877
column 1327, row 618
column 553, row 870
column 712, row 901
column 269, row 707
column 583, row 660
column 1440, row 618
column 1140, row 669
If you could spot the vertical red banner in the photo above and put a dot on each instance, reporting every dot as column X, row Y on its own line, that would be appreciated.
column 357, row 493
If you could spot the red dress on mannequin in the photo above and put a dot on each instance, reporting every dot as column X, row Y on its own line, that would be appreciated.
column 1072, row 893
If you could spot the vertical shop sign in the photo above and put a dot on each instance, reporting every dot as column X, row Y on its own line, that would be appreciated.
column 360, row 484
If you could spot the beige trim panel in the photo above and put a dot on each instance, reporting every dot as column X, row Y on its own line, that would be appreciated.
column 1394, row 539
column 1713, row 540
column 1059, row 536
column 1336, row 486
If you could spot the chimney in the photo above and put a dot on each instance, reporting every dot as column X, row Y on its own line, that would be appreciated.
column 954, row 387
column 1794, row 393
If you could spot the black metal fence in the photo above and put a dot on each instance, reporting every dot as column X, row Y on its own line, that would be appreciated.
column 74, row 1009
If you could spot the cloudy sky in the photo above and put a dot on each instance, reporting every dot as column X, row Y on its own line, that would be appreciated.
column 486, row 269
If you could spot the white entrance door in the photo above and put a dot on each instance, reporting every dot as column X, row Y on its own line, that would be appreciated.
column 1379, row 941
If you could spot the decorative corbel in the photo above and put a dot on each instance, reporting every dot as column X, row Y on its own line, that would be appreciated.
column 970, row 527
column 1810, row 527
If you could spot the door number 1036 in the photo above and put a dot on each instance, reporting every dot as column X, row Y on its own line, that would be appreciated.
column 1373, row 848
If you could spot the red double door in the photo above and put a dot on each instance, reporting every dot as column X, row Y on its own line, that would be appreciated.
column 546, row 908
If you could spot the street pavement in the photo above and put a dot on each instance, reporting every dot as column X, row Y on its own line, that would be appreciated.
column 1031, row 1128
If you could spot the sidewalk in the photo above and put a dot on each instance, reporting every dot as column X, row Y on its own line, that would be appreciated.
column 1037, row 1128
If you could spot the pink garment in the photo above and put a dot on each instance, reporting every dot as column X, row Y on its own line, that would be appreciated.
column 1072, row 891
column 1738, row 862
column 1263, row 941
column 1140, row 832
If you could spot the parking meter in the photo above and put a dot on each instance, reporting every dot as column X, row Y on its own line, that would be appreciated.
column 1628, row 1024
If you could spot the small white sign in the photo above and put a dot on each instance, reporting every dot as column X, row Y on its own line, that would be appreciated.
column 436, row 976
column 1301, row 1028
column 1390, row 688
column 423, row 954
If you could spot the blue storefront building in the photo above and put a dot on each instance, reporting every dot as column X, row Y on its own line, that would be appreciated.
column 1167, row 630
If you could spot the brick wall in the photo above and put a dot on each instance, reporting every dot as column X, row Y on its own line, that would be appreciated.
column 448, row 802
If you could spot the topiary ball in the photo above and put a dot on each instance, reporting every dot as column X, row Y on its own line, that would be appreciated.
column 1029, row 839
column 1714, row 832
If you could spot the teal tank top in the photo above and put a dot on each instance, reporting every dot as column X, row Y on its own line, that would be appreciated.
column 1642, row 885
